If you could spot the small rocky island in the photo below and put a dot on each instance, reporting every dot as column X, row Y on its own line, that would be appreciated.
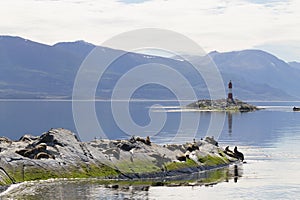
column 59, row 154
column 229, row 104
column 222, row 105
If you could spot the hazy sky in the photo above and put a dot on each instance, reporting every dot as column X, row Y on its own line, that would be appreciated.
column 272, row 25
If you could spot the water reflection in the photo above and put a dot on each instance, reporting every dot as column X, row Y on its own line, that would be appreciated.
column 236, row 173
column 100, row 189
column 229, row 119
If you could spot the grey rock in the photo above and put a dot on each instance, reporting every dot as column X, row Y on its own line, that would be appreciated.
column 58, row 152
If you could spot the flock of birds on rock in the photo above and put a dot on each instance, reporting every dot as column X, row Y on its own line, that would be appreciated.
column 192, row 147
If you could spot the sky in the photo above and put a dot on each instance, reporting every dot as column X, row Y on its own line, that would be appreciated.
column 222, row 25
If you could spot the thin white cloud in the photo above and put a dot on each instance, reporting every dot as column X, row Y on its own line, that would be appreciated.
column 286, row 50
column 214, row 24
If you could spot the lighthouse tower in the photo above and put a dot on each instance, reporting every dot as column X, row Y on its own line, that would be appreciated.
column 230, row 96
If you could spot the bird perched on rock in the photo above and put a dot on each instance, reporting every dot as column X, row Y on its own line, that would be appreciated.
column 229, row 152
column 192, row 147
column 148, row 141
column 238, row 154
column 181, row 157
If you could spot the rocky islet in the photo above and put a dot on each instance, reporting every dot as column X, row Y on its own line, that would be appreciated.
column 59, row 154
column 235, row 105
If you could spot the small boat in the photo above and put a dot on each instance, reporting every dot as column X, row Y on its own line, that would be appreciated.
column 296, row 109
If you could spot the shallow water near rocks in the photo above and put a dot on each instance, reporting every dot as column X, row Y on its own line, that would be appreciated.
column 93, row 188
column 269, row 139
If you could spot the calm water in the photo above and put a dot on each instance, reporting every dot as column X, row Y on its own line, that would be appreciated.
column 270, row 140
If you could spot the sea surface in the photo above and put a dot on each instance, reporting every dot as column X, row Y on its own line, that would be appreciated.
column 269, row 139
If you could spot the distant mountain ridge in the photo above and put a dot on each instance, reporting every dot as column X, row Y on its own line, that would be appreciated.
column 33, row 70
column 255, row 68
column 295, row 64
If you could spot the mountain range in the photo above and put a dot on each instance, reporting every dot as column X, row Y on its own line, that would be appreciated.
column 30, row 70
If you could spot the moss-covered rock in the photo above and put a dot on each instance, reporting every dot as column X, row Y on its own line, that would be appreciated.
column 70, row 158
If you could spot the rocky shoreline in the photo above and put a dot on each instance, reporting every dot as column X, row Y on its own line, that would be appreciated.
column 59, row 154
column 235, row 105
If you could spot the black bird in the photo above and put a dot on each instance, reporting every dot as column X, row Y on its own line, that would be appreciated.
column 229, row 152
column 238, row 154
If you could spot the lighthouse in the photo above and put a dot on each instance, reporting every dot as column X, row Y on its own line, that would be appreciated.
column 230, row 96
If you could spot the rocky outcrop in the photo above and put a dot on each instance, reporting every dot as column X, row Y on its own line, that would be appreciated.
column 59, row 154
column 222, row 105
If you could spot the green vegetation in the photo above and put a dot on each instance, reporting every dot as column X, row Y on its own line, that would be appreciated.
column 138, row 166
column 39, row 174
column 84, row 171
column 100, row 171
column 180, row 165
column 4, row 179
column 30, row 173
column 213, row 160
